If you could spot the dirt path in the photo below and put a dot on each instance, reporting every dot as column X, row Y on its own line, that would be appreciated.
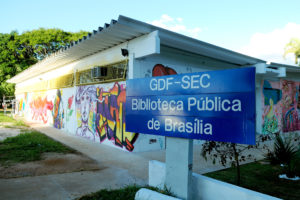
column 51, row 163
column 8, row 132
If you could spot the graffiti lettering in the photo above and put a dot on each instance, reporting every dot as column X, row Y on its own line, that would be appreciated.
column 110, row 117
column 39, row 108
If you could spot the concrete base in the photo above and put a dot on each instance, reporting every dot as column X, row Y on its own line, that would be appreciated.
column 203, row 187
column 146, row 194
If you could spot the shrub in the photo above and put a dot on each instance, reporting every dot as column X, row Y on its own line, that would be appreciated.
column 285, row 152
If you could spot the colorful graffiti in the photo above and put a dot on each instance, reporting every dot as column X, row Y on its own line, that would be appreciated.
column 21, row 103
column 161, row 70
column 101, row 114
column 53, row 107
column 39, row 107
column 110, row 119
column 281, row 110
column 271, row 113
column 69, row 110
column 85, row 97
column 58, row 111
column 290, row 91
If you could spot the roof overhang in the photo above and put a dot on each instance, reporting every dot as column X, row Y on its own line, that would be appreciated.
column 289, row 68
column 122, row 30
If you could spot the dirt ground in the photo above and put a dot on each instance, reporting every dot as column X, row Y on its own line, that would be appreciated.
column 51, row 163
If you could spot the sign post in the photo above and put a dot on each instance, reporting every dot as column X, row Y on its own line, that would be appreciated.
column 179, row 163
column 213, row 105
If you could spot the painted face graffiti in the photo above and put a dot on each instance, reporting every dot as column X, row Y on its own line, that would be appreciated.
column 84, row 97
column 85, row 102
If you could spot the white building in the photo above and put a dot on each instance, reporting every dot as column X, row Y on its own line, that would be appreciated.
column 80, row 88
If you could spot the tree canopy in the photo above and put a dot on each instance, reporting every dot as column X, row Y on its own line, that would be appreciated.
column 19, row 51
column 293, row 47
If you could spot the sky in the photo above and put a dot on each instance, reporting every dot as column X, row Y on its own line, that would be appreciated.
column 258, row 28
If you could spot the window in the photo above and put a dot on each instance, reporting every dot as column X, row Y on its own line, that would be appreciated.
column 99, row 74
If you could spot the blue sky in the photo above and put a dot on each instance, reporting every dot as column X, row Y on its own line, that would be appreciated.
column 253, row 27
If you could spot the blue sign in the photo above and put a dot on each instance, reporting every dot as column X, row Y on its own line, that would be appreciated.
column 213, row 105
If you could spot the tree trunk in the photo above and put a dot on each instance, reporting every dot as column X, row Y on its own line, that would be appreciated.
column 236, row 157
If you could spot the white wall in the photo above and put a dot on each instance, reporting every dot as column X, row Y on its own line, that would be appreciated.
column 182, row 62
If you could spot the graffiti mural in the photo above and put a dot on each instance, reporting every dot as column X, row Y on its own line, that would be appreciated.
column 290, row 97
column 58, row 111
column 39, row 107
column 281, row 106
column 100, row 111
column 161, row 70
column 69, row 110
column 271, row 110
column 21, row 105
column 85, row 99
column 110, row 118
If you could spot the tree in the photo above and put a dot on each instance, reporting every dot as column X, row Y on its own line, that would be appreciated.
column 11, row 61
column 42, row 42
column 293, row 47
column 19, row 51
column 232, row 153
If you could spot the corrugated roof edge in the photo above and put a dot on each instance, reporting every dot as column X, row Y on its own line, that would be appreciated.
column 167, row 37
column 289, row 68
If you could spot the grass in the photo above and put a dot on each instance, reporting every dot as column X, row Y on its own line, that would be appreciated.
column 126, row 193
column 5, row 118
column 261, row 178
column 12, row 122
column 28, row 146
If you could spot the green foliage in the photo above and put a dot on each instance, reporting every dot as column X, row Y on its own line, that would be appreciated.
column 286, row 152
column 261, row 178
column 12, row 122
column 231, row 153
column 28, row 146
column 19, row 51
column 293, row 47
column 126, row 193
column 42, row 42
column 5, row 118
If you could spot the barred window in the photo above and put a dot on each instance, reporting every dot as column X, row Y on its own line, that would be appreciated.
column 96, row 74
column 99, row 74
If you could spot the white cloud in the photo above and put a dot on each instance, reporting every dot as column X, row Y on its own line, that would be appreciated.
column 176, row 25
column 270, row 46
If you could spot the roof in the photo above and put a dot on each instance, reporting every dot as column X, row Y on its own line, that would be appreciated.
column 124, row 29
column 289, row 68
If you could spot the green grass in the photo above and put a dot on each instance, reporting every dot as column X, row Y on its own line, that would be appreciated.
column 126, row 193
column 28, row 146
column 12, row 121
column 5, row 118
column 261, row 178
